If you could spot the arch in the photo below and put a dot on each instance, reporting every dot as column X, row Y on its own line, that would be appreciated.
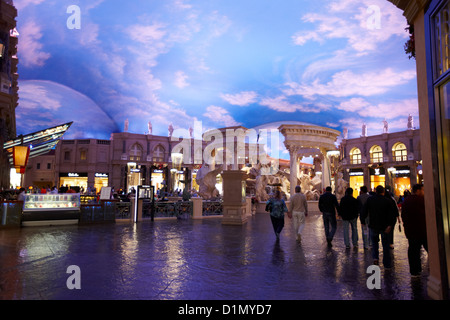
column 376, row 154
column 136, row 152
column 355, row 156
column 399, row 152
column 158, row 153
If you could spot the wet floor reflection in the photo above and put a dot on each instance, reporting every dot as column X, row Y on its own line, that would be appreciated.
column 188, row 259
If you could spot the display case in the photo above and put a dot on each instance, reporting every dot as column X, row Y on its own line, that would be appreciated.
column 51, row 209
column 51, row 202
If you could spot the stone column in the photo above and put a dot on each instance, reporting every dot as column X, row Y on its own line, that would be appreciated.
column 326, row 174
column 293, row 150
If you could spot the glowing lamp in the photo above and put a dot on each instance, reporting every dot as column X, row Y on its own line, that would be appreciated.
column 177, row 159
column 20, row 158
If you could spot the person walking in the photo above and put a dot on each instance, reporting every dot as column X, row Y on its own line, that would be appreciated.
column 299, row 210
column 362, row 198
column 328, row 205
column 414, row 223
column 388, row 194
column 277, row 208
column 348, row 210
column 382, row 218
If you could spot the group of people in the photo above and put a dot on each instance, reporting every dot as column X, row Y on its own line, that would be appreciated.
column 378, row 213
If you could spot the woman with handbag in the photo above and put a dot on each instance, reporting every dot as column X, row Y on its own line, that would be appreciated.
column 277, row 207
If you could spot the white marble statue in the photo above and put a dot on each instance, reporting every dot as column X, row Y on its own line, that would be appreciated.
column 364, row 130
column 341, row 186
column 170, row 130
column 125, row 129
column 206, row 180
column 150, row 128
column 385, row 126
column 345, row 133
column 410, row 122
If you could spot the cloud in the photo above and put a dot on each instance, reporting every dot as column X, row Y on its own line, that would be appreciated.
column 388, row 110
column 147, row 34
column 351, row 20
column 281, row 104
column 21, row 4
column 30, row 46
column 180, row 79
column 221, row 116
column 347, row 83
column 243, row 98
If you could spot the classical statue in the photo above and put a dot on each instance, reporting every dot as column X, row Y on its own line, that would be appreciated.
column 125, row 129
column 410, row 122
column 341, row 186
column 206, row 180
column 364, row 130
column 170, row 130
column 149, row 127
column 385, row 126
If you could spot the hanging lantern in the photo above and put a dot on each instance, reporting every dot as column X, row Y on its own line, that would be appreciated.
column 20, row 158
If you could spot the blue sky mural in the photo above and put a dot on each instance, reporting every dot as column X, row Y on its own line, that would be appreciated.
column 334, row 63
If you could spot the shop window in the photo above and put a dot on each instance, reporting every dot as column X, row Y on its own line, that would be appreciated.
column 136, row 152
column 376, row 154
column 355, row 156
column 38, row 166
column 49, row 166
column 66, row 155
column 399, row 152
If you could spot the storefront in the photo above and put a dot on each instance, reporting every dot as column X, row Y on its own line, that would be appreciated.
column 157, row 179
column 101, row 180
column 401, row 180
column 356, row 177
column 74, row 180
column 377, row 177
column 135, row 176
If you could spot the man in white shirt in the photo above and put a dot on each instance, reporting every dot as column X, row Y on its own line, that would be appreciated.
column 299, row 208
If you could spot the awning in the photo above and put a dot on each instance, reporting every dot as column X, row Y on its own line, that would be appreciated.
column 40, row 142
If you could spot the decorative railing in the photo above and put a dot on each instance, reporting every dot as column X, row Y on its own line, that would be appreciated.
column 212, row 208
column 168, row 209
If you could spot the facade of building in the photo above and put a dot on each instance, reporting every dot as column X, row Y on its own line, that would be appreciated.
column 129, row 159
column 8, row 84
column 430, row 21
column 389, row 159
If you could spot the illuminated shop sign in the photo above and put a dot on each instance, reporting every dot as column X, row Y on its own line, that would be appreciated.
column 101, row 175
column 356, row 173
column 74, row 174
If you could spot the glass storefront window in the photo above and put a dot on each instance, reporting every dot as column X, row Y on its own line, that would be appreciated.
column 355, row 183
column 443, row 130
column 376, row 181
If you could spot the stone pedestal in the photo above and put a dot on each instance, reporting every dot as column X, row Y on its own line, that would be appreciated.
column 234, row 198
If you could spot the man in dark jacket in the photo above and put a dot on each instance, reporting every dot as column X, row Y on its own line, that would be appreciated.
column 328, row 205
column 414, row 222
column 381, row 213
column 348, row 210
